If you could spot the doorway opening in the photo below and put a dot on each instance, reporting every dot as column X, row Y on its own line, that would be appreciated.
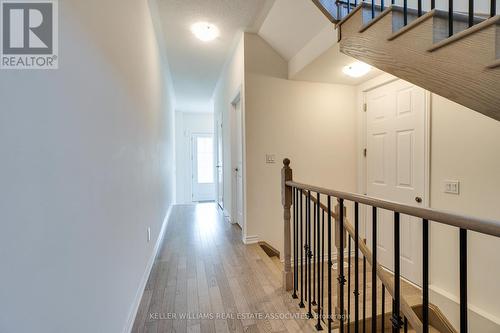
column 237, row 163
column 203, row 187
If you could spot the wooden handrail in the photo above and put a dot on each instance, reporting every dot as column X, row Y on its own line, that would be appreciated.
column 381, row 273
column 325, row 12
column 484, row 226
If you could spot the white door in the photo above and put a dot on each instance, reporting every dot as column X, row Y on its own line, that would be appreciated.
column 203, row 186
column 220, row 167
column 238, row 164
column 396, row 158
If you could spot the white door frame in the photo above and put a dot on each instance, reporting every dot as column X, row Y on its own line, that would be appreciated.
column 239, row 97
column 219, row 169
column 362, row 141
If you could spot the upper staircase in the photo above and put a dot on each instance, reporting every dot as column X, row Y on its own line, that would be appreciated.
column 455, row 55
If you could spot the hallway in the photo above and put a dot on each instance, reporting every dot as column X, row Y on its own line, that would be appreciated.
column 206, row 280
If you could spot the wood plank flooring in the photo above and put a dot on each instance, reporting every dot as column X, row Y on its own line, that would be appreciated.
column 205, row 279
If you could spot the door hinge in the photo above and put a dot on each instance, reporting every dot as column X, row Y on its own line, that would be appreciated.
column 365, row 107
column 364, row 152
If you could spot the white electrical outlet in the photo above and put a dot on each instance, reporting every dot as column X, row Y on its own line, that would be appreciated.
column 149, row 234
column 452, row 187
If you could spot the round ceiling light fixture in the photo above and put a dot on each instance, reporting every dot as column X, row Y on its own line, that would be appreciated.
column 356, row 69
column 205, row 31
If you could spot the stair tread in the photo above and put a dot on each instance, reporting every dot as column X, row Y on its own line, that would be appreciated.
column 467, row 31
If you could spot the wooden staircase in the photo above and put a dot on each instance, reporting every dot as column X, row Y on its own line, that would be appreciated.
column 409, row 292
column 464, row 68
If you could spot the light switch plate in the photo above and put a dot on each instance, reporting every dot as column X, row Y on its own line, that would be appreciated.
column 452, row 187
column 270, row 158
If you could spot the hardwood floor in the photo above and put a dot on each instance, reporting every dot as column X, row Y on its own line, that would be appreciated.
column 205, row 279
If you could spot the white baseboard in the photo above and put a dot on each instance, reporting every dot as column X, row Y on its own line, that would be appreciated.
column 145, row 276
column 250, row 240
column 227, row 216
column 449, row 304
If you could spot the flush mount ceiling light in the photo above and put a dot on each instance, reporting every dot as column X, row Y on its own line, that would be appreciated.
column 205, row 31
column 356, row 69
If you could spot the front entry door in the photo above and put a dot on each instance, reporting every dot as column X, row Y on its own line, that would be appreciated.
column 396, row 160
column 203, row 168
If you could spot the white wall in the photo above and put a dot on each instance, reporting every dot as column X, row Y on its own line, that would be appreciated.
column 313, row 124
column 87, row 165
column 230, row 84
column 465, row 147
column 186, row 124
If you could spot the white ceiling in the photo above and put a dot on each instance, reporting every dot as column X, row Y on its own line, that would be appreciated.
column 328, row 67
column 294, row 28
column 291, row 24
column 196, row 66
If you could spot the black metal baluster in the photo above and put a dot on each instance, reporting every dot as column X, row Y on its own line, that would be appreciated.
column 383, row 309
column 433, row 4
column 463, row 281
column 364, row 294
column 471, row 13
column 356, row 267
column 330, row 264
column 323, row 264
column 425, row 277
column 406, row 325
column 493, row 9
column 295, row 275
column 306, row 244
column 302, row 257
column 396, row 319
column 374, row 269
column 348, row 6
column 314, row 254
column 450, row 18
column 348, row 283
column 309, row 256
column 419, row 8
column 340, row 263
column 405, row 12
column 373, row 9
column 382, row 5
column 318, row 311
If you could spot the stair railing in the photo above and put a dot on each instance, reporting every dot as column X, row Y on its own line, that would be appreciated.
column 337, row 10
column 305, row 238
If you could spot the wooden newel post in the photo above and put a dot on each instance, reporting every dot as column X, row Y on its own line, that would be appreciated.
column 286, row 201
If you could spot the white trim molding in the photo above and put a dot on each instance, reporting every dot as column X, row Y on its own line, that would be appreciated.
column 145, row 276
column 227, row 216
column 250, row 240
column 479, row 319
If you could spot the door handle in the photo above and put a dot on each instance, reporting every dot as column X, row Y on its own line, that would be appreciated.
column 418, row 199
